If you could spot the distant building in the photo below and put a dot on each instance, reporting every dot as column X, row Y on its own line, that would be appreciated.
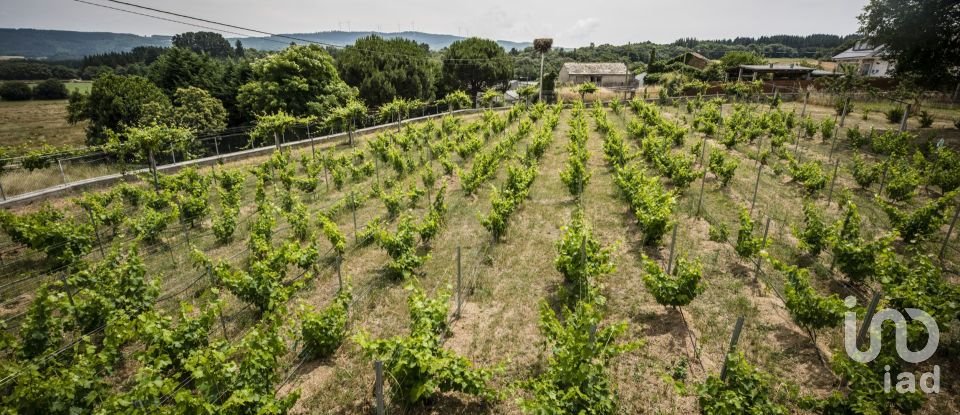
column 776, row 72
column 693, row 59
column 868, row 60
column 613, row 74
column 12, row 58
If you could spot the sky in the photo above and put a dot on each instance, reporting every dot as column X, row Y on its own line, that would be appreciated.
column 570, row 23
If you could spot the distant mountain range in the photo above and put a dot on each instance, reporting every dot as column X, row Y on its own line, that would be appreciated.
column 62, row 44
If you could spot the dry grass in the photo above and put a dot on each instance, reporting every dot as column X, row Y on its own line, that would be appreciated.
column 35, row 123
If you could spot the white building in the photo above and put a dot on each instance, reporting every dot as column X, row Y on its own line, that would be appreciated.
column 868, row 60
column 613, row 74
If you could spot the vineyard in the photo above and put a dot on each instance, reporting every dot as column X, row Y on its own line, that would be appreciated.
column 545, row 259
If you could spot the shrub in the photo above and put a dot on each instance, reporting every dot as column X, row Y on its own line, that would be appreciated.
column 894, row 115
column 50, row 89
column 864, row 172
column 719, row 232
column 402, row 248
column 891, row 142
column 926, row 119
column 744, row 391
column 856, row 138
column 15, row 91
column 839, row 103
column 826, row 128
column 678, row 289
column 324, row 331
column 813, row 237
column 723, row 167
column 747, row 245
column 903, row 180
column 580, row 257
column 810, row 175
column 575, row 380
column 417, row 362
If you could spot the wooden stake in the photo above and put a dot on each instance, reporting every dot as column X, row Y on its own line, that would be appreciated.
column 703, row 182
column 734, row 339
column 459, row 282
column 378, row 386
column 953, row 222
column 756, row 187
column 833, row 182
column 673, row 243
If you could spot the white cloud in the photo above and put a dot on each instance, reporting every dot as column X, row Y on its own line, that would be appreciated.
column 580, row 32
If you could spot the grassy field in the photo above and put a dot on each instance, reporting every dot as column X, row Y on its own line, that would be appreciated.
column 35, row 123
column 80, row 86
column 506, row 281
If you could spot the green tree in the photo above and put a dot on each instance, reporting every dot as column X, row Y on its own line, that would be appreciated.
column 51, row 89
column 273, row 126
column 736, row 58
column 15, row 91
column 208, row 43
column 397, row 109
column 181, row 67
column 198, row 111
column 146, row 142
column 586, row 88
column 116, row 102
column 382, row 69
column 457, row 100
column 346, row 117
column 525, row 92
column 300, row 80
column 920, row 35
column 475, row 64
column 489, row 97
column 238, row 50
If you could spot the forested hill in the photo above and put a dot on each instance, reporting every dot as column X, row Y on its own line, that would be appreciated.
column 436, row 41
column 62, row 45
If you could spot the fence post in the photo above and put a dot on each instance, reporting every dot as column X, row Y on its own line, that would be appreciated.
column 173, row 154
column 843, row 116
column 756, row 187
column 96, row 231
column 459, row 282
column 62, row 175
column 906, row 115
column 3, row 194
column 883, row 177
column 833, row 182
column 353, row 203
column 871, row 309
column 803, row 112
column 703, row 181
column 734, row 339
column 339, row 276
column 953, row 222
column 763, row 243
column 378, row 386
column 673, row 243
column 223, row 323
column 216, row 145
column 66, row 289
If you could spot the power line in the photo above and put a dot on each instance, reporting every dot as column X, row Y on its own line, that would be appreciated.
column 262, row 32
column 169, row 20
